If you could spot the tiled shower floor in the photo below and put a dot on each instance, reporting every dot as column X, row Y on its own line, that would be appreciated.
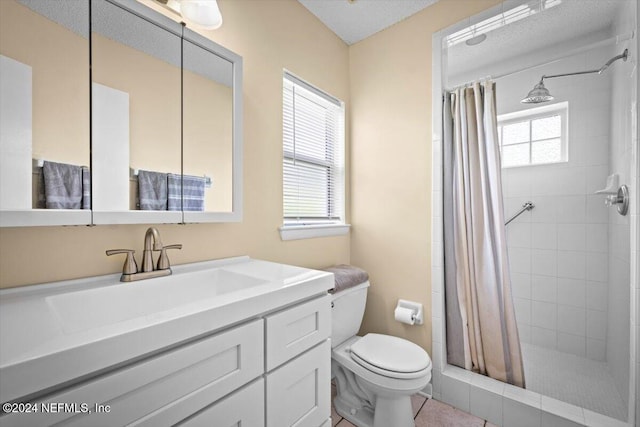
column 572, row 379
column 426, row 412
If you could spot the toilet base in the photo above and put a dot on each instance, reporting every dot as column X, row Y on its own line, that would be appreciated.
column 359, row 417
column 395, row 412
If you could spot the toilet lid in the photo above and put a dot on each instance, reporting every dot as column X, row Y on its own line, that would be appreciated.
column 390, row 354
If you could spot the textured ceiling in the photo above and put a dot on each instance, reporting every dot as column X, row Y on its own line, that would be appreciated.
column 357, row 20
column 569, row 20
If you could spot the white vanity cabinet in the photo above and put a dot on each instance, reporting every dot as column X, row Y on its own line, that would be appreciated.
column 219, row 343
column 162, row 389
column 298, row 391
column 218, row 380
column 243, row 408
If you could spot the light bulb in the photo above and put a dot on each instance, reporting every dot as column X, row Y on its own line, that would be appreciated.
column 203, row 14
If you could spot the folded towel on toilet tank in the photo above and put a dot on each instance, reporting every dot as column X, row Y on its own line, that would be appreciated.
column 346, row 276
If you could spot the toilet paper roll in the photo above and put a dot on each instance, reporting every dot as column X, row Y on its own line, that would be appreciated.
column 405, row 315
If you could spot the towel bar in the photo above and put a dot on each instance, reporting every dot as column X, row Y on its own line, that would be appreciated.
column 526, row 207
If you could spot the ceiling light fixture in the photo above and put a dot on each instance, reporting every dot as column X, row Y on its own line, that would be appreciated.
column 203, row 14
column 476, row 40
column 528, row 8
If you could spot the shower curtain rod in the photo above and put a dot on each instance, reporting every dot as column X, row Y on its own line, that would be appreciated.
column 620, row 38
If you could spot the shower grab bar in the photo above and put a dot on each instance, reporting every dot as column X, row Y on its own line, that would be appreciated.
column 526, row 207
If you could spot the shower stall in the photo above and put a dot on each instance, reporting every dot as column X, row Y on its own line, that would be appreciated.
column 569, row 166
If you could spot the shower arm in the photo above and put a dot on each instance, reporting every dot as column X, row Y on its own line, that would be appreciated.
column 624, row 55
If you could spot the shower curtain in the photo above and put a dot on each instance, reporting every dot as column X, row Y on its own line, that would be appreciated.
column 482, row 335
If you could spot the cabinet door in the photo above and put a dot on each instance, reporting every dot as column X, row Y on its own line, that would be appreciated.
column 294, row 330
column 243, row 408
column 298, row 393
column 164, row 389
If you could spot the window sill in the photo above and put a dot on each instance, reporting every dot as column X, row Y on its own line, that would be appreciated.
column 310, row 231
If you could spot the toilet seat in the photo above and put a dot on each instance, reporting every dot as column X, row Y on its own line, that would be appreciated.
column 391, row 356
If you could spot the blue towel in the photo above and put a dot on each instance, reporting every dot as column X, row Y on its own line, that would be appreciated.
column 174, row 192
column 186, row 192
column 152, row 190
column 86, row 188
column 62, row 185
column 41, row 202
column 193, row 193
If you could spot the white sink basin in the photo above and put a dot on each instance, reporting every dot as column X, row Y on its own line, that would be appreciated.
column 92, row 308
column 99, row 322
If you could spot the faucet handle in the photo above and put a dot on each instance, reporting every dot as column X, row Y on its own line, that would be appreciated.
column 130, row 266
column 163, row 259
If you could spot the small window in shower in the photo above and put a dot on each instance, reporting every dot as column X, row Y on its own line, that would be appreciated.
column 536, row 136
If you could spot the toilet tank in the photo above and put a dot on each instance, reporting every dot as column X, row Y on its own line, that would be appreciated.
column 346, row 312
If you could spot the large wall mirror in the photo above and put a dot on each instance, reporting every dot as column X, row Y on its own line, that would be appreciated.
column 136, row 118
column 44, row 113
column 164, row 109
column 212, row 104
column 163, row 130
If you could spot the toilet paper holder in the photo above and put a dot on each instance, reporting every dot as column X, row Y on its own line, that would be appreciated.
column 415, row 307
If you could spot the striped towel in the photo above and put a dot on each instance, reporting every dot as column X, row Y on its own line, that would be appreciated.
column 186, row 194
column 86, row 188
column 193, row 193
column 174, row 188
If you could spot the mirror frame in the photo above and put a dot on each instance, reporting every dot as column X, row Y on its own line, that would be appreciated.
column 155, row 217
column 56, row 217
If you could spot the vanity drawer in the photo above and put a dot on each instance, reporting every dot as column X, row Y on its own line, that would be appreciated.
column 299, row 392
column 292, row 331
column 205, row 370
column 244, row 407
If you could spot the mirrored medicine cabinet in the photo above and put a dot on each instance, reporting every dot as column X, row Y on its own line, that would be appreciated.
column 112, row 113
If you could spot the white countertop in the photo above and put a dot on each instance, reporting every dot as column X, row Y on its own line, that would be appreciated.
column 54, row 333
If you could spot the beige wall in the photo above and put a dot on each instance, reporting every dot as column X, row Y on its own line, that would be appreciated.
column 390, row 76
column 154, row 100
column 270, row 36
column 207, row 148
column 387, row 77
column 153, row 86
column 59, row 60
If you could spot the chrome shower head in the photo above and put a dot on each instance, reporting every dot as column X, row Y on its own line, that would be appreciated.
column 538, row 94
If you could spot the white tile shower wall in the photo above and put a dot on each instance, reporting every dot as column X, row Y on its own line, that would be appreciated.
column 559, row 251
column 622, row 137
column 543, row 233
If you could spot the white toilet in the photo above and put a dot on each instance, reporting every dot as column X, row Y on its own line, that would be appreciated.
column 376, row 374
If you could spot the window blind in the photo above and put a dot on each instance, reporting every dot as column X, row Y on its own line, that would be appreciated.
column 313, row 154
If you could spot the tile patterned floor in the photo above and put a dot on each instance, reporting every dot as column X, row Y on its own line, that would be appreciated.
column 573, row 379
column 426, row 412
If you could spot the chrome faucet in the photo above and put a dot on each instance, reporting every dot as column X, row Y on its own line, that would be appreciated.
column 152, row 234
column 152, row 243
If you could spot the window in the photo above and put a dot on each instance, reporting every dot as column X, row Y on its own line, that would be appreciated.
column 535, row 136
column 313, row 158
